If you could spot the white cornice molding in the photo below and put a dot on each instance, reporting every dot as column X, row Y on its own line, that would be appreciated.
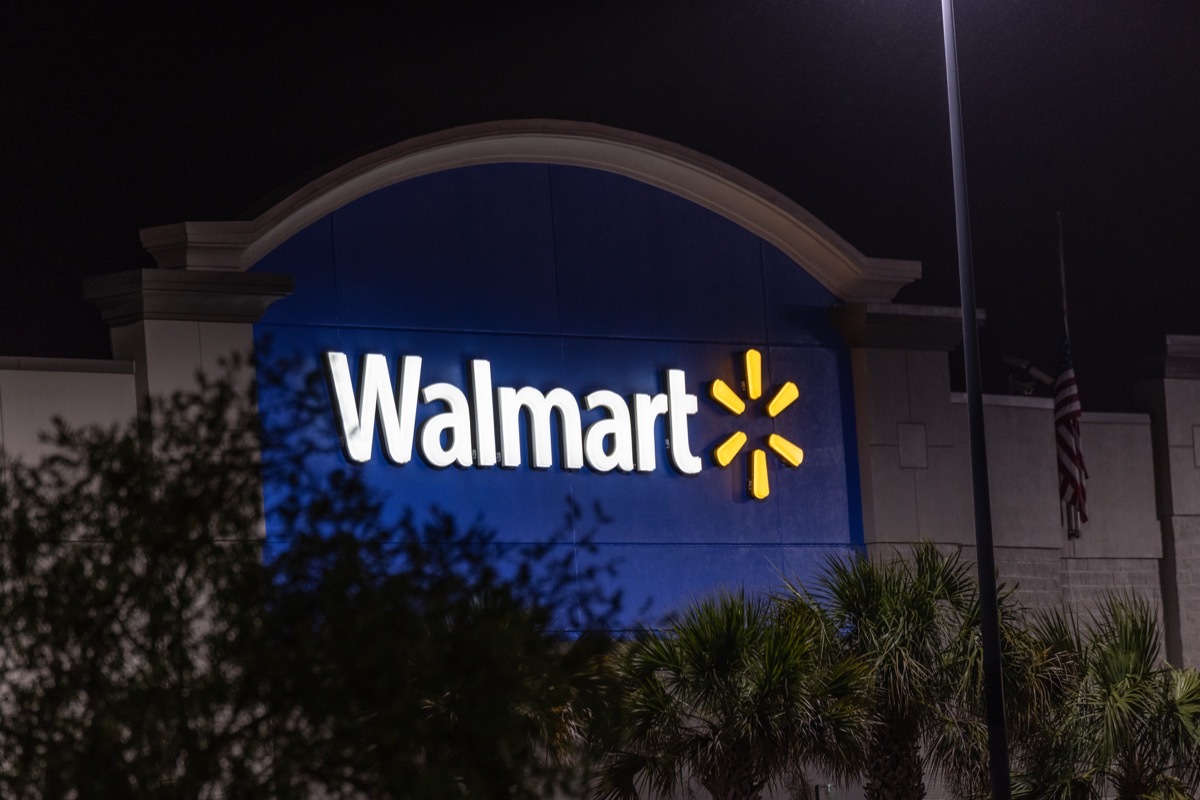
column 207, row 296
column 838, row 266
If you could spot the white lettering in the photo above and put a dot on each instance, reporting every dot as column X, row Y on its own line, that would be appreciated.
column 485, row 416
column 539, row 406
column 463, row 426
column 454, row 423
column 646, row 410
column 680, row 406
column 616, row 427
column 356, row 421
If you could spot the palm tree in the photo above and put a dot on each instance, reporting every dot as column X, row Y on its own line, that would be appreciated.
column 736, row 698
column 1124, row 719
column 910, row 621
column 1033, row 675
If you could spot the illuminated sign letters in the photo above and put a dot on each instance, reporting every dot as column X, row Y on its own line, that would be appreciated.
column 468, row 425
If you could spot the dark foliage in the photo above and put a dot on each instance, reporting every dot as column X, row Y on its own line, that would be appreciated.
column 149, row 650
column 738, row 696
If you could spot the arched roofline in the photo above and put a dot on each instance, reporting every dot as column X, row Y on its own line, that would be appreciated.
column 238, row 245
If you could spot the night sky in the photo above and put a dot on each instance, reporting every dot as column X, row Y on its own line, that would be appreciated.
column 114, row 122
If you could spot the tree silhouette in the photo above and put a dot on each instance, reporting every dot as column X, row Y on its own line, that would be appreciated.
column 149, row 649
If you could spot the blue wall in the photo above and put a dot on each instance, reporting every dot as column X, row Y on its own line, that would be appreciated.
column 581, row 279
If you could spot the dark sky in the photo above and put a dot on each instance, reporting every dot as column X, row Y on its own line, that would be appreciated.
column 114, row 122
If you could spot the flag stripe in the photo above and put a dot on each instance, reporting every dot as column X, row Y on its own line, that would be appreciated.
column 1067, row 410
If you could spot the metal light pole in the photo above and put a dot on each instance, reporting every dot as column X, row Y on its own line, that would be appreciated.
column 993, row 686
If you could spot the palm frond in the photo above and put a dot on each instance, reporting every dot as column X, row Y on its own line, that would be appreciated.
column 736, row 692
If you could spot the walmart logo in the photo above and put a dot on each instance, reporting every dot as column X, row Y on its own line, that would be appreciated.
column 486, row 425
column 727, row 450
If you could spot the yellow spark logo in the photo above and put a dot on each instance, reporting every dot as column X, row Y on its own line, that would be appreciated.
column 727, row 450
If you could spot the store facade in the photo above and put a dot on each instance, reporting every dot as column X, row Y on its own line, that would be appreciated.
column 517, row 317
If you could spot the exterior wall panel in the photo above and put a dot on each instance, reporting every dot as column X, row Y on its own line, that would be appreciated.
column 79, row 392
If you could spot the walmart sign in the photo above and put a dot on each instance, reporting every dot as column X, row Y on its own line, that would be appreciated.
column 468, row 426
column 502, row 340
column 465, row 433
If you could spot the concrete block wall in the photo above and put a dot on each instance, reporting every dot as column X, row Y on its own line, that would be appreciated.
column 1034, row 572
column 914, row 454
column 1022, row 471
column 1086, row 581
column 33, row 391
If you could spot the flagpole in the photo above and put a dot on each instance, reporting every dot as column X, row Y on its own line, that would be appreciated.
column 1073, row 530
column 1062, row 275
column 993, row 684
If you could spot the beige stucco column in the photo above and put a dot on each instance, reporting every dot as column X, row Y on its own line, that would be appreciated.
column 172, row 323
column 913, row 464
column 1172, row 397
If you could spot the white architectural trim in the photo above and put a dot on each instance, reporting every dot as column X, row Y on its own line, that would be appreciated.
column 847, row 273
column 66, row 365
column 1009, row 400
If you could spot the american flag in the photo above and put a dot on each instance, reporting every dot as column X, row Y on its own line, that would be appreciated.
column 1071, row 471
